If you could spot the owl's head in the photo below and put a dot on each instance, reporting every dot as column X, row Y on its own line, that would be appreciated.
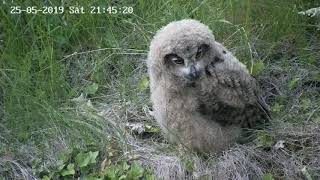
column 182, row 49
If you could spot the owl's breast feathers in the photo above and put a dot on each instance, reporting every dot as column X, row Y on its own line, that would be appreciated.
column 232, row 96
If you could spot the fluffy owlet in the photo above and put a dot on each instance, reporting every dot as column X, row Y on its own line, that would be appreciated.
column 202, row 95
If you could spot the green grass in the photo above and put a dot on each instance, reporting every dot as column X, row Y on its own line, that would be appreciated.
column 48, row 60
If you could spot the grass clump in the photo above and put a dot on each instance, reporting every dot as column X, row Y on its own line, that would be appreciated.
column 74, row 98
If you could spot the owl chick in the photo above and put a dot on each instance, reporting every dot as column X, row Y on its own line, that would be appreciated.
column 202, row 95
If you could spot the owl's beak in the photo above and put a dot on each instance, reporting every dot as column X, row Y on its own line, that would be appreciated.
column 193, row 73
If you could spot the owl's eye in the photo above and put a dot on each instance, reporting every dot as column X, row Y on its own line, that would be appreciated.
column 174, row 58
column 177, row 60
column 201, row 50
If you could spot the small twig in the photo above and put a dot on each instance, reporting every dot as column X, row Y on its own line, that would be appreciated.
column 101, row 49
column 135, row 52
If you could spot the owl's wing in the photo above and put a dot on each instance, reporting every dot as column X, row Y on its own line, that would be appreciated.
column 236, row 96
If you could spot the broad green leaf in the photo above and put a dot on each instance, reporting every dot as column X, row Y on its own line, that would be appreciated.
column 265, row 140
column 267, row 176
column 277, row 107
column 151, row 129
column 111, row 172
column 69, row 171
column 45, row 178
column 135, row 172
column 92, row 89
column 93, row 156
column 123, row 177
column 143, row 84
column 92, row 177
column 125, row 166
column 294, row 83
column 150, row 177
column 257, row 68
column 83, row 159
column 60, row 165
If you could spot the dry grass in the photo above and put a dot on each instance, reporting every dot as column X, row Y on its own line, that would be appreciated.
column 296, row 157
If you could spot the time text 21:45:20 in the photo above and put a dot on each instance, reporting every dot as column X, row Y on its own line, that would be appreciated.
column 71, row 10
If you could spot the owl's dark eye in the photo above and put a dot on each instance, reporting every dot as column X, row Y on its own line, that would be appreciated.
column 177, row 60
column 174, row 58
column 201, row 50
